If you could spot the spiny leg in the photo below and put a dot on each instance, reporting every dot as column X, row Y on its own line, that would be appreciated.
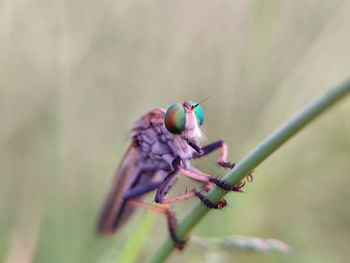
column 223, row 153
column 163, row 189
column 194, row 193
column 163, row 208
column 141, row 190
column 174, row 199
column 164, row 203
column 171, row 219
column 221, row 204
column 172, row 222
column 169, row 180
column 207, row 186
column 200, row 176
column 194, row 173
column 222, row 162
column 160, row 198
column 165, row 186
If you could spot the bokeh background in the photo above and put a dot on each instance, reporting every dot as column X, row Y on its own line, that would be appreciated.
column 75, row 75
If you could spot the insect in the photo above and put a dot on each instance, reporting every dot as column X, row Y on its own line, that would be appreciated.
column 163, row 143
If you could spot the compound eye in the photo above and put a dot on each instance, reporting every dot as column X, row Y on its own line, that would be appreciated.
column 199, row 112
column 175, row 118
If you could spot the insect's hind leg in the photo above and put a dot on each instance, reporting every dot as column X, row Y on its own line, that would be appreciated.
column 164, row 203
column 163, row 207
column 172, row 222
column 169, row 181
column 141, row 190
column 171, row 219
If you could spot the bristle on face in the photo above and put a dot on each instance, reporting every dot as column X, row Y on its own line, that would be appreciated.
column 193, row 129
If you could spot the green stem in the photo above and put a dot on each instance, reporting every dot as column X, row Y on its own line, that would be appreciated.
column 254, row 158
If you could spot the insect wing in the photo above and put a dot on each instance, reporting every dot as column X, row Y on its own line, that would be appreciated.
column 115, row 211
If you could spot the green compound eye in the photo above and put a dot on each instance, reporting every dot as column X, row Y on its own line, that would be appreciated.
column 199, row 112
column 175, row 118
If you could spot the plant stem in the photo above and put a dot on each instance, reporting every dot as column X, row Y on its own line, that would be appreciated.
column 133, row 247
column 254, row 158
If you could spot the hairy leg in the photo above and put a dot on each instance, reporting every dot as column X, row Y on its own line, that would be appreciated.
column 162, row 200
column 222, row 162
column 206, row 178
column 171, row 219
column 212, row 147
column 141, row 190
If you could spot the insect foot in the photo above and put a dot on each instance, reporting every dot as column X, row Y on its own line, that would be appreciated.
column 207, row 186
column 226, row 165
column 172, row 225
column 221, row 204
column 249, row 177
column 225, row 186
column 240, row 184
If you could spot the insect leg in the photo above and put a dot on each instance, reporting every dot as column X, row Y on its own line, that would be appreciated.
column 222, row 162
column 177, row 198
column 194, row 193
column 172, row 222
column 171, row 219
column 138, row 191
column 160, row 198
column 191, row 194
column 169, row 181
column 223, row 153
column 195, row 174
column 163, row 189
column 165, row 186
column 164, row 206
column 200, row 176
column 159, row 209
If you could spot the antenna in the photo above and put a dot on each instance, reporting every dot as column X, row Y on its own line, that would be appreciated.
column 201, row 102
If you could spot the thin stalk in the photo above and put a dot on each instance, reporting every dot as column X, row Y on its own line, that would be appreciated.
column 254, row 158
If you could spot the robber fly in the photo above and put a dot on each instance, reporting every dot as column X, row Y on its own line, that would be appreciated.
column 163, row 143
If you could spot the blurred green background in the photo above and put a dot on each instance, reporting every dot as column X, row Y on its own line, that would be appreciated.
column 75, row 76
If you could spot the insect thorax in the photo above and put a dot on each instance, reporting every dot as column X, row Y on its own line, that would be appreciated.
column 159, row 147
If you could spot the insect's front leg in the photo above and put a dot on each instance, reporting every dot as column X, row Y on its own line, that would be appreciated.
column 223, row 153
column 222, row 161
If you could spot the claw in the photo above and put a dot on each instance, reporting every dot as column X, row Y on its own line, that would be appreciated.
column 180, row 244
column 172, row 225
column 221, row 204
column 207, row 187
column 226, row 165
column 240, row 184
column 249, row 177
column 225, row 186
